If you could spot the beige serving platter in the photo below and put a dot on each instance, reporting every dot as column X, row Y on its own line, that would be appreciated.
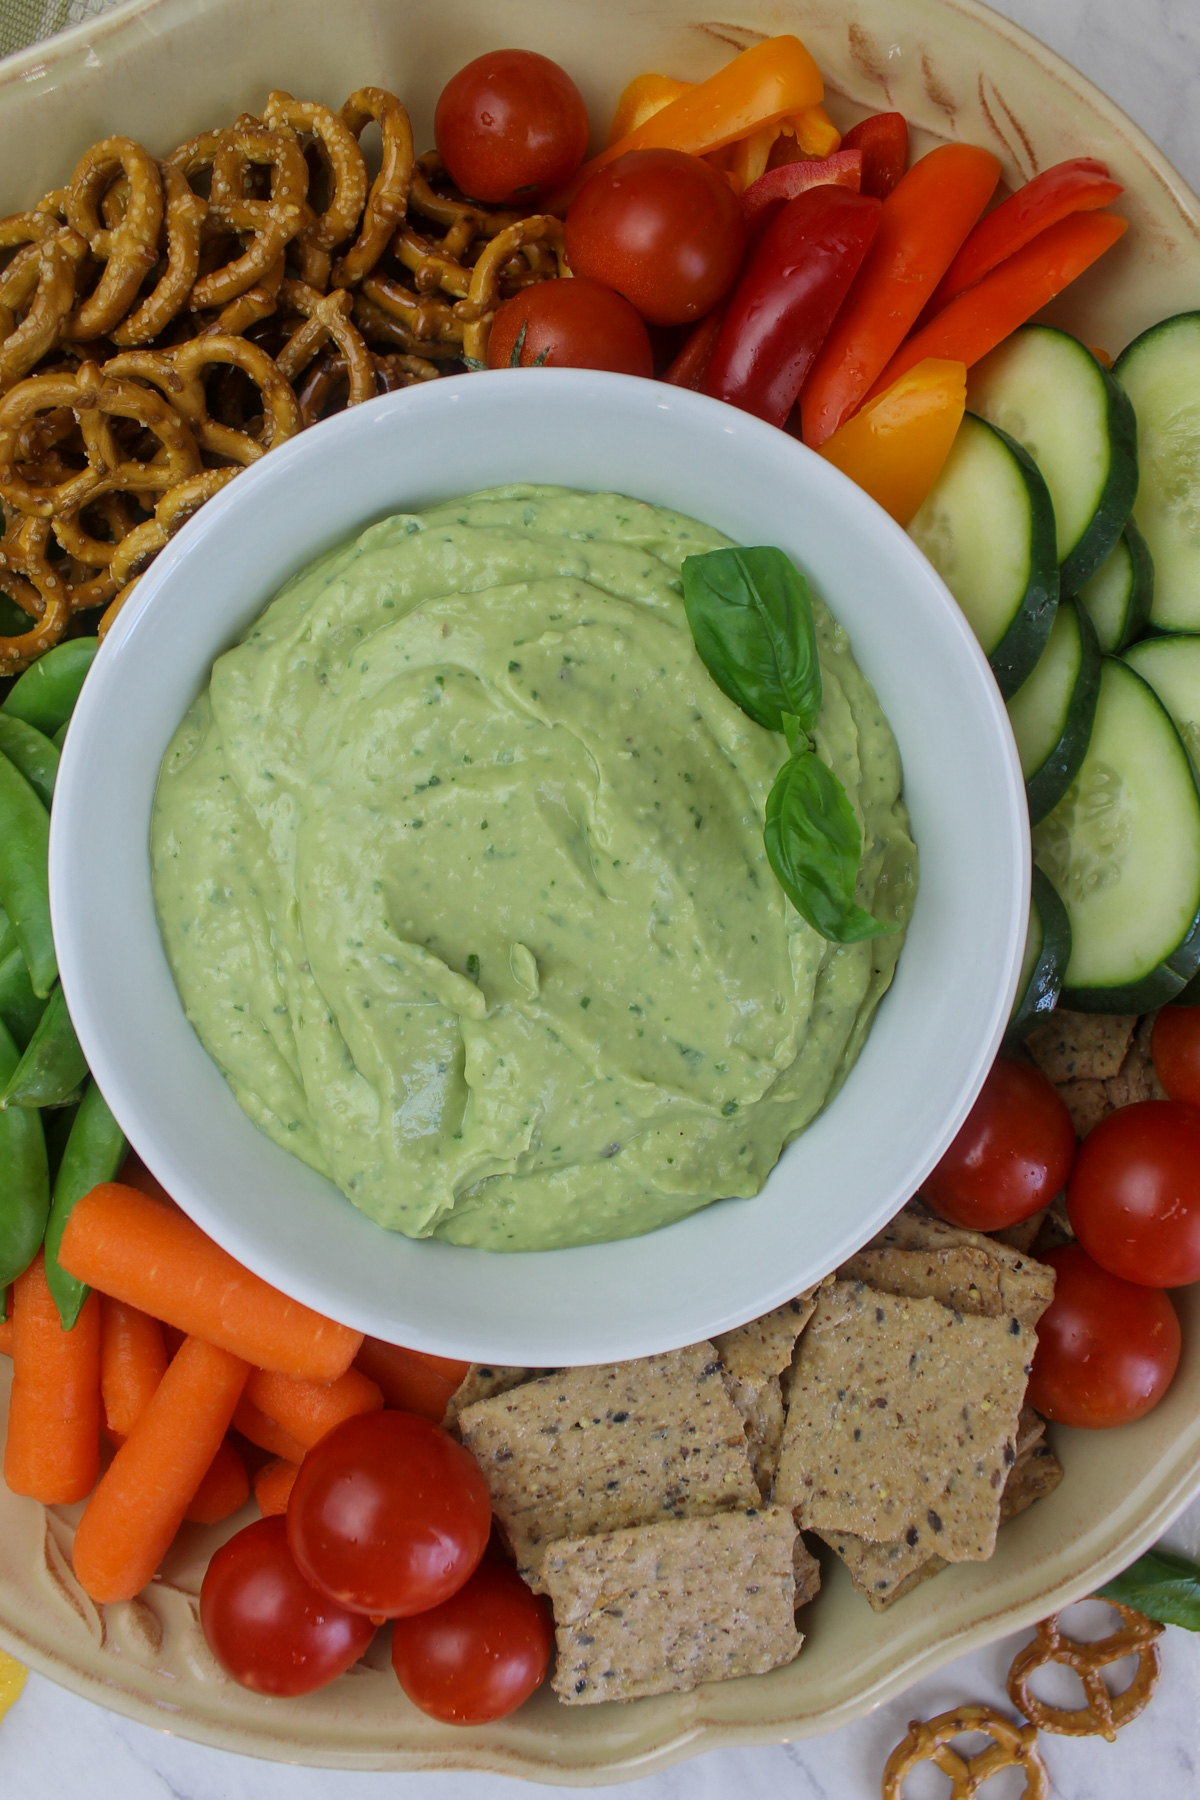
column 160, row 70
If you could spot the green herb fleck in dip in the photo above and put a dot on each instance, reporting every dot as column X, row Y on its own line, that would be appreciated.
column 459, row 865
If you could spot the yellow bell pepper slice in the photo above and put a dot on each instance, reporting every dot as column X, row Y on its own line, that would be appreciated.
column 645, row 95
column 815, row 132
column 895, row 447
column 12, row 1680
column 749, row 157
column 768, row 82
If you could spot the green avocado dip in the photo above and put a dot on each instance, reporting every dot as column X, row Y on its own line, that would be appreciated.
column 459, row 867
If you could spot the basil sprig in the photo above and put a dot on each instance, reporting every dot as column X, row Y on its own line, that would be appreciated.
column 1162, row 1585
column 752, row 622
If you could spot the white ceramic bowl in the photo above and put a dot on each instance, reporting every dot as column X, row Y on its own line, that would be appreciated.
column 935, row 1033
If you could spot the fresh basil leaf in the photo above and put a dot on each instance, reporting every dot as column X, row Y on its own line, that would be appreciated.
column 1162, row 1585
column 751, row 618
column 815, row 848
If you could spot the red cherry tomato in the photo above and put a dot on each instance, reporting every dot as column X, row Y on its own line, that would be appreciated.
column 1011, row 1156
column 571, row 325
column 1107, row 1349
column 268, row 1627
column 388, row 1515
column 661, row 227
column 511, row 125
column 1175, row 1047
column 480, row 1654
column 1134, row 1194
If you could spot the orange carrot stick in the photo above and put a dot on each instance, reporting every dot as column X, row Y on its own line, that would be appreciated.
column 141, row 1251
column 224, row 1488
column 6, row 1329
column 410, row 1379
column 133, row 1360
column 308, row 1409
column 53, row 1448
column 273, row 1486
column 254, row 1424
column 140, row 1503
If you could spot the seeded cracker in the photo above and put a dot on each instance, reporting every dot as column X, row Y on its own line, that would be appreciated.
column 657, row 1609
column 480, row 1382
column 595, row 1449
column 1074, row 1046
column 921, row 1256
column 901, row 1412
column 755, row 1356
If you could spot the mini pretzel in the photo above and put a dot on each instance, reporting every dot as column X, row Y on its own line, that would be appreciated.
column 184, row 213
column 1104, row 1714
column 46, row 602
column 270, row 224
column 43, row 279
column 258, row 302
column 448, row 210
column 347, row 173
column 426, row 320
column 380, row 326
column 929, row 1741
column 173, row 510
column 81, row 544
column 325, row 318
column 328, row 373
column 178, row 374
column 477, row 309
column 129, row 250
column 80, row 585
column 388, row 199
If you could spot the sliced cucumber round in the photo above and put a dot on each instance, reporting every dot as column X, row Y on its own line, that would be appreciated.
column 1047, row 953
column 987, row 526
column 1172, row 667
column 1119, row 595
column 1122, row 848
column 1160, row 371
column 1048, row 391
column 1052, row 712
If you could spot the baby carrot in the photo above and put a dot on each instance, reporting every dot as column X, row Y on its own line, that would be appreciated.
column 254, row 1424
column 224, row 1488
column 6, row 1327
column 53, row 1447
column 411, row 1380
column 273, row 1486
column 140, row 1503
column 146, row 1253
column 133, row 1360
column 306, row 1410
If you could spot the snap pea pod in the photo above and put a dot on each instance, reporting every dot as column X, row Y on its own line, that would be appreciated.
column 24, row 1178
column 8, row 936
column 57, row 1124
column 60, row 736
column 24, row 876
column 20, row 1007
column 46, row 693
column 53, row 1065
column 30, row 751
column 94, row 1153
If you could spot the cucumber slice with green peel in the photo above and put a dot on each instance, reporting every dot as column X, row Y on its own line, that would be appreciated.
column 1119, row 595
column 1048, row 391
column 1122, row 848
column 1052, row 712
column 1172, row 667
column 1047, row 953
column 987, row 526
column 1160, row 371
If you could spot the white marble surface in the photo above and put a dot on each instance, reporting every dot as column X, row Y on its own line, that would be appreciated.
column 1146, row 54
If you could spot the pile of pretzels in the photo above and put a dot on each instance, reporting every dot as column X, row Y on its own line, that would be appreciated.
column 165, row 323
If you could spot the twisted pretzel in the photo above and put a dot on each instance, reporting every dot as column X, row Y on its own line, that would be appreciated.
column 46, row 601
column 929, row 1741
column 388, row 199
column 380, row 326
column 145, row 541
column 82, row 544
column 1103, row 1714
column 178, row 374
column 184, row 215
column 329, row 373
column 427, row 323
column 339, row 150
column 41, row 278
column 257, row 303
column 483, row 297
column 270, row 224
column 325, row 319
column 128, row 249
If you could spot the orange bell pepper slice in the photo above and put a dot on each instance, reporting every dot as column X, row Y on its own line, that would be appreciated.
column 815, row 132
column 895, row 447
column 805, row 137
column 766, row 83
column 645, row 95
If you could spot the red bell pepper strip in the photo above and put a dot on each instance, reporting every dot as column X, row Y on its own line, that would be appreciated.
column 883, row 140
column 691, row 365
column 1082, row 185
column 763, row 199
column 925, row 219
column 787, row 298
column 1017, row 288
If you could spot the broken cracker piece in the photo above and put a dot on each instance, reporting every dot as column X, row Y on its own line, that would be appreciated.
column 1034, row 1475
column 1087, row 1102
column 901, row 1415
column 595, row 1449
column 1074, row 1046
column 657, row 1609
column 1137, row 1078
column 919, row 1254
column 755, row 1356
column 480, row 1382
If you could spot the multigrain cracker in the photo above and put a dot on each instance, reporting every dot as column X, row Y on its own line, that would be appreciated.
column 480, row 1382
column 755, row 1357
column 919, row 1255
column 1074, row 1046
column 1136, row 1079
column 1087, row 1102
column 595, row 1449
column 657, row 1609
column 901, row 1413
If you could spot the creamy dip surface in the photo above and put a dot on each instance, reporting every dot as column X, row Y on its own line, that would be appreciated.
column 459, row 867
